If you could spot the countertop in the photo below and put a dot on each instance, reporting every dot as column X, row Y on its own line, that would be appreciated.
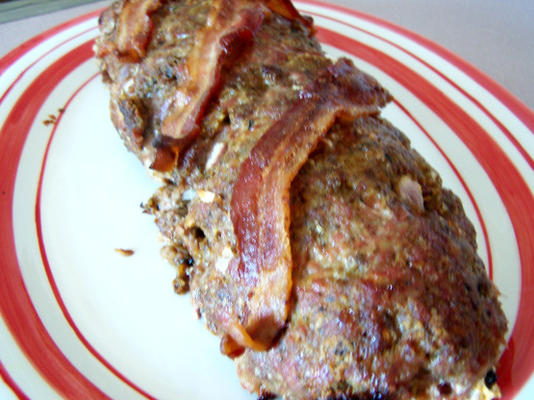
column 495, row 36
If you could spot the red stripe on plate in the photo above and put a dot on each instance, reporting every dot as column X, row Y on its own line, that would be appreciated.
column 11, row 383
column 513, row 190
column 18, row 52
column 15, row 303
column 23, row 72
column 528, row 158
column 44, row 256
column 521, row 111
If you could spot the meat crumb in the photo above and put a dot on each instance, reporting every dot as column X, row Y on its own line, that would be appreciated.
column 51, row 120
column 125, row 252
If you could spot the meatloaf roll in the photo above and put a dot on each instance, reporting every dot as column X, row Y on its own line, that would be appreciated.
column 315, row 242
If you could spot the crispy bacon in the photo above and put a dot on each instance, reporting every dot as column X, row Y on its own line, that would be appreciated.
column 231, row 26
column 165, row 158
column 135, row 28
column 286, row 9
column 260, row 197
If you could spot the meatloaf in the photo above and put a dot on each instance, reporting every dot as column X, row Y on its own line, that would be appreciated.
column 315, row 242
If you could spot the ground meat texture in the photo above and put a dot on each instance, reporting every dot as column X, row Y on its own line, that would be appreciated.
column 389, row 297
column 256, row 88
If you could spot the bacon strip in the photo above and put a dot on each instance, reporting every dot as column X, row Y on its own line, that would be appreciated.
column 260, row 198
column 286, row 9
column 135, row 28
column 165, row 158
column 231, row 25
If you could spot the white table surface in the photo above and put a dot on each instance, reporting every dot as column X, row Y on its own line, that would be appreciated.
column 496, row 36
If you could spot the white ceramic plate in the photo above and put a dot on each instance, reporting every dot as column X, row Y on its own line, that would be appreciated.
column 81, row 320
